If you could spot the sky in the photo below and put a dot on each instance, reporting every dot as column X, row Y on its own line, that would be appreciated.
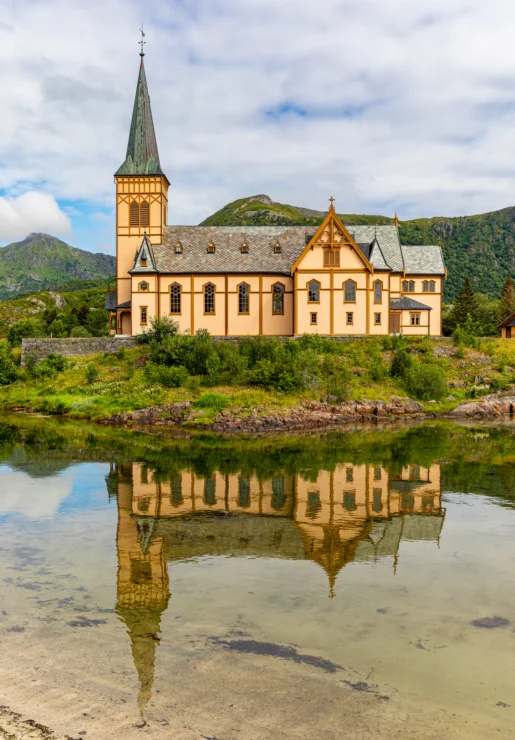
column 388, row 106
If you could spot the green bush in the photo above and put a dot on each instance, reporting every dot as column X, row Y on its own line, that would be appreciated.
column 91, row 373
column 401, row 363
column 169, row 377
column 215, row 401
column 79, row 331
column 338, row 386
column 426, row 381
column 8, row 369
column 377, row 369
column 50, row 366
column 463, row 337
column 160, row 329
column 25, row 329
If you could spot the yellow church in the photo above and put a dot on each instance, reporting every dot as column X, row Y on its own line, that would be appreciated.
column 336, row 280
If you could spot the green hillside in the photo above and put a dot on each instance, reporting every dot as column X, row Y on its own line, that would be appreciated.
column 482, row 246
column 42, row 261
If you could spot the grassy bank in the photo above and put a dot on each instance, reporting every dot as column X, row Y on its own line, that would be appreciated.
column 257, row 375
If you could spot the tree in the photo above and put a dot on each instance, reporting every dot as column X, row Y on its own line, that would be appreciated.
column 507, row 306
column 465, row 303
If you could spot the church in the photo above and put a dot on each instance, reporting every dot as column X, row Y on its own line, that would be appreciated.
column 335, row 280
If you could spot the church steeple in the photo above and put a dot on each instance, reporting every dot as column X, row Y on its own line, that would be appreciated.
column 142, row 155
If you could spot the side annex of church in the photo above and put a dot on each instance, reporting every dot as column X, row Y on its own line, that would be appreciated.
column 336, row 280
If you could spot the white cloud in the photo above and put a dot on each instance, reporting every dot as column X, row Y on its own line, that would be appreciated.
column 409, row 106
column 32, row 211
column 44, row 502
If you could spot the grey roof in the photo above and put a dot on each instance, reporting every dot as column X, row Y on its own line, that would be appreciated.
column 142, row 157
column 407, row 304
column 127, row 304
column 509, row 321
column 145, row 252
column 379, row 244
column 423, row 260
column 110, row 301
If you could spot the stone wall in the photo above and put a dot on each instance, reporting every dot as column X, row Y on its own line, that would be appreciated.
column 73, row 347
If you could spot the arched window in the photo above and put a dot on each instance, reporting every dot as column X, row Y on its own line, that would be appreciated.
column 175, row 298
column 144, row 214
column 278, row 299
column 405, row 286
column 210, row 248
column 314, row 292
column 350, row 291
column 378, row 291
column 411, row 286
column 134, row 214
column 425, row 286
column 243, row 298
column 331, row 258
column 432, row 286
column 209, row 298
column 244, row 248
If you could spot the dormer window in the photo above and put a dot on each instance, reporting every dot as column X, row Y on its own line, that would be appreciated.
column 210, row 248
column 244, row 248
column 277, row 248
column 143, row 262
column 178, row 248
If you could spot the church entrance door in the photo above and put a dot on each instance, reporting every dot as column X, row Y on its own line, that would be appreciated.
column 395, row 323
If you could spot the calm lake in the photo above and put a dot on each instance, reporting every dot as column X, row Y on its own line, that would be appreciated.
column 356, row 584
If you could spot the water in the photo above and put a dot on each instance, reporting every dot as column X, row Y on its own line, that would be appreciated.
column 354, row 584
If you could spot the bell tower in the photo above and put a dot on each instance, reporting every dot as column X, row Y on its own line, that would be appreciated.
column 141, row 189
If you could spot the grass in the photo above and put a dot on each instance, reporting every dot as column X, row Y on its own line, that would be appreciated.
column 121, row 385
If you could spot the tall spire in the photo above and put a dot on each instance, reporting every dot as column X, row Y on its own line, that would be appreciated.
column 142, row 156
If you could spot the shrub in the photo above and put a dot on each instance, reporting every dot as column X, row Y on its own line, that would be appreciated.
column 91, row 373
column 402, row 362
column 79, row 331
column 426, row 381
column 377, row 369
column 215, row 401
column 169, row 377
column 463, row 338
column 160, row 329
column 24, row 329
column 8, row 369
column 338, row 386
column 121, row 353
column 50, row 366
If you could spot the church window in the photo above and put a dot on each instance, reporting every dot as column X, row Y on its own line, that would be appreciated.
column 314, row 292
column 331, row 258
column 378, row 504
column 277, row 248
column 350, row 291
column 405, row 286
column 425, row 286
column 143, row 315
column 209, row 298
column 432, row 286
column 143, row 262
column 243, row 298
column 415, row 319
column 211, row 248
column 414, row 472
column 143, row 287
column 314, row 504
column 349, row 475
column 411, row 286
column 144, row 214
column 175, row 298
column 178, row 248
column 141, row 571
column 243, row 492
column 278, row 497
column 377, row 319
column 209, row 491
column 378, row 291
column 377, row 473
column 313, row 319
column 177, row 498
column 244, row 248
column 350, row 319
column 278, row 299
column 134, row 214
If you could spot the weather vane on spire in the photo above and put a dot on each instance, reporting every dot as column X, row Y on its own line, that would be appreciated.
column 142, row 42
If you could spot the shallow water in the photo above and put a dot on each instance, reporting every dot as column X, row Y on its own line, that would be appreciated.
column 189, row 588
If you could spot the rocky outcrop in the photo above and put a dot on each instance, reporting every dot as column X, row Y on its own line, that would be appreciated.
column 308, row 416
column 489, row 407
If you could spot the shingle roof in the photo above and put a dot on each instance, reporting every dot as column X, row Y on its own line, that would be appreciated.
column 127, row 304
column 110, row 301
column 407, row 304
column 509, row 321
column 423, row 260
column 379, row 244
column 142, row 157
column 145, row 252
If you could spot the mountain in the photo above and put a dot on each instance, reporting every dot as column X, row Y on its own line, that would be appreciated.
column 42, row 261
column 482, row 246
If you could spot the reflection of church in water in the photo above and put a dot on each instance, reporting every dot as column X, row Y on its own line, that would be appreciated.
column 355, row 513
